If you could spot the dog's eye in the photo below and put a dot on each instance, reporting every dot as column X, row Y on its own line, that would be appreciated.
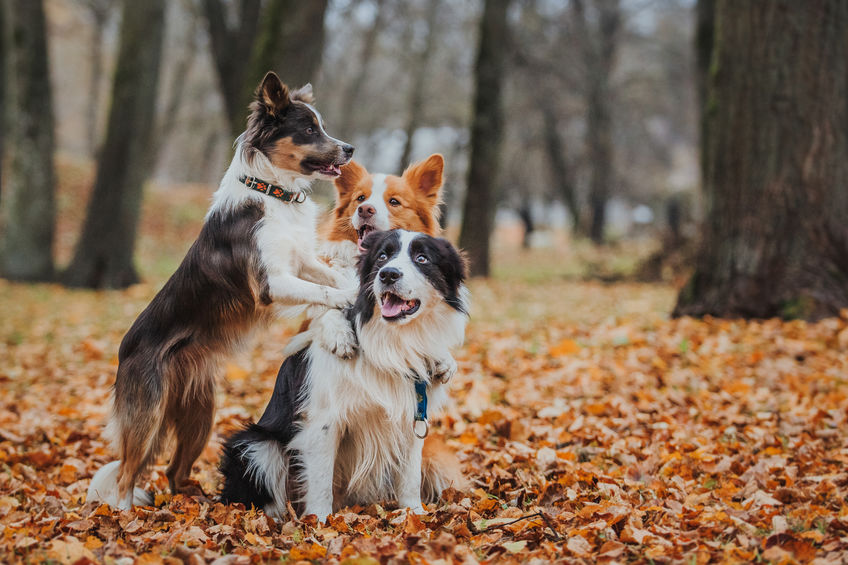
column 310, row 131
column 422, row 259
column 394, row 201
column 360, row 198
column 382, row 257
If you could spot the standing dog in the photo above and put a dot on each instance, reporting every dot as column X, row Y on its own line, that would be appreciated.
column 257, row 249
column 350, row 431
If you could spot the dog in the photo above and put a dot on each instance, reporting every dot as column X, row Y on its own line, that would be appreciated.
column 365, row 203
column 340, row 431
column 256, row 252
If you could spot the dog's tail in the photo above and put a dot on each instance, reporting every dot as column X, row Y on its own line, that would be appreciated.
column 440, row 469
column 104, row 487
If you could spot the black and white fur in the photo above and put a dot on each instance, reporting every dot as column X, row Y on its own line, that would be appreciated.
column 340, row 431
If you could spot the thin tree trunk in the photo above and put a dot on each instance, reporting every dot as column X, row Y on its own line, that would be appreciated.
column 775, row 239
column 99, row 11
column 526, row 215
column 104, row 253
column 599, row 58
column 486, row 137
column 351, row 98
column 555, row 148
column 28, row 205
column 290, row 42
column 231, row 49
column 419, row 82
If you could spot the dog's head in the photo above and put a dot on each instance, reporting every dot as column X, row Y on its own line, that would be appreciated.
column 405, row 274
column 368, row 202
column 286, row 128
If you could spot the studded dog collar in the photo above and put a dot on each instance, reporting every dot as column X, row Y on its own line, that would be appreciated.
column 272, row 189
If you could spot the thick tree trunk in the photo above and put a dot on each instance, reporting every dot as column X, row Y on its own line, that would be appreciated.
column 486, row 135
column 350, row 101
column 419, row 83
column 104, row 253
column 28, row 204
column 775, row 239
column 290, row 42
column 704, row 38
column 231, row 50
column 3, row 54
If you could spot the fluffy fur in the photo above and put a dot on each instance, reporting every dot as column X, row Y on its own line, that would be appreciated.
column 341, row 430
column 254, row 252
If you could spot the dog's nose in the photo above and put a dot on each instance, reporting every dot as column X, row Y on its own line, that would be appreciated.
column 348, row 149
column 389, row 275
column 366, row 211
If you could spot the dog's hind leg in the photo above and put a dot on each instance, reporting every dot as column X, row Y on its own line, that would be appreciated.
column 137, row 428
column 193, row 416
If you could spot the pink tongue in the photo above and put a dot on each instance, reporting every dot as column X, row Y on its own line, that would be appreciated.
column 392, row 307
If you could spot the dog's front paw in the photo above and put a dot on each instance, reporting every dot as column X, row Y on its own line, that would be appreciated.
column 343, row 344
column 335, row 334
column 443, row 369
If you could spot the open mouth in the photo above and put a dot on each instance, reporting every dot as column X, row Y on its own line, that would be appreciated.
column 361, row 233
column 327, row 169
column 393, row 307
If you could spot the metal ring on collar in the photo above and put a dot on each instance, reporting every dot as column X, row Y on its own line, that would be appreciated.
column 426, row 429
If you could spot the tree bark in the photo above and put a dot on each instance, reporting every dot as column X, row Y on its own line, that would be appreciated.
column 104, row 253
column 290, row 42
column 775, row 239
column 486, row 137
column 231, row 48
column 3, row 54
column 599, row 58
column 555, row 148
column 28, row 205
column 419, row 83
column 354, row 91
column 99, row 11
column 704, row 40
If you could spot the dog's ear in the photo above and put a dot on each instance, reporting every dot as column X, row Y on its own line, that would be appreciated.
column 426, row 176
column 304, row 94
column 352, row 173
column 272, row 94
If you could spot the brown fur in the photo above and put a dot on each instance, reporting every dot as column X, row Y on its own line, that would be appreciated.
column 170, row 357
column 418, row 190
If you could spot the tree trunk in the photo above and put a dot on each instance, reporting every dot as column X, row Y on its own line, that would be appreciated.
column 775, row 239
column 599, row 57
column 419, row 83
column 104, row 253
column 290, row 42
column 354, row 92
column 555, row 148
column 28, row 205
column 486, row 136
column 704, row 38
column 3, row 86
column 99, row 11
column 231, row 50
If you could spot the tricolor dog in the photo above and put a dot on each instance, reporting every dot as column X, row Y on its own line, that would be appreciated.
column 256, row 251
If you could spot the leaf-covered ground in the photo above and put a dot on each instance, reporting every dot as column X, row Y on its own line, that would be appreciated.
column 591, row 427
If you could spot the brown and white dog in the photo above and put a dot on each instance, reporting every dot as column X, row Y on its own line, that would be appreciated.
column 256, row 250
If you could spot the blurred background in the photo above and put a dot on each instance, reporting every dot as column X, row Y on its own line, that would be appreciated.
column 570, row 129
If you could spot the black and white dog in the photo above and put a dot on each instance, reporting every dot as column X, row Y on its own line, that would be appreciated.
column 350, row 431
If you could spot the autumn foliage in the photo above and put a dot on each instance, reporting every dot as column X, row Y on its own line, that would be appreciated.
column 591, row 427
